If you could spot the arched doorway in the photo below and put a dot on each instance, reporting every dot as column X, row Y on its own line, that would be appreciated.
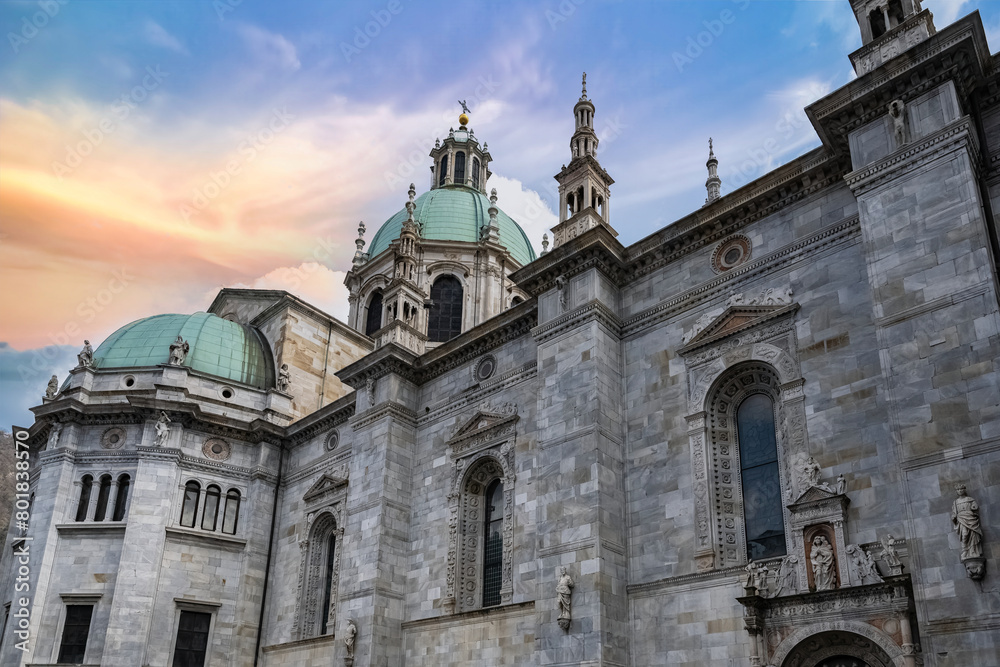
column 837, row 649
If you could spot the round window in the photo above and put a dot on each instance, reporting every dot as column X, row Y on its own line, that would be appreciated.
column 731, row 253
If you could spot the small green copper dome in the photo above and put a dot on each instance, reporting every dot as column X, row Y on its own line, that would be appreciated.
column 455, row 213
column 225, row 349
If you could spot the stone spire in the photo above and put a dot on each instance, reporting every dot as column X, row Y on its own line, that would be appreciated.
column 360, row 257
column 584, row 186
column 490, row 232
column 714, row 183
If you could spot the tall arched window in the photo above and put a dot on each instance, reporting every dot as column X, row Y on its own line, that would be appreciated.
column 444, row 322
column 103, row 495
column 189, row 510
column 121, row 499
column 211, row 514
column 232, row 514
column 744, row 509
column 443, row 175
column 81, row 509
column 493, row 543
column 373, row 322
column 331, row 552
column 762, row 509
column 460, row 168
column 476, row 168
column 318, row 579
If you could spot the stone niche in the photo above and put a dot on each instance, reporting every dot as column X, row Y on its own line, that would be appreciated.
column 820, row 512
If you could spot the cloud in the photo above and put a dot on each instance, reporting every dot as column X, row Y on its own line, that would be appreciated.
column 270, row 47
column 526, row 207
column 24, row 376
column 156, row 35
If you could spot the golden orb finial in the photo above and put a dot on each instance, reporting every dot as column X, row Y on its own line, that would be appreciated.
column 463, row 119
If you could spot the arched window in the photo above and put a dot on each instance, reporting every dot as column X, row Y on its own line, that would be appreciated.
column 443, row 175
column 444, row 322
column 81, row 509
column 762, row 509
column 476, row 168
column 374, row 320
column 103, row 495
column 877, row 21
column 460, row 168
column 189, row 510
column 493, row 542
column 211, row 513
column 232, row 514
column 121, row 499
column 318, row 579
column 745, row 495
column 481, row 535
column 331, row 551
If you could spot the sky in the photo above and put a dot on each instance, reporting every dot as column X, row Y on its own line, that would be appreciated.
column 153, row 152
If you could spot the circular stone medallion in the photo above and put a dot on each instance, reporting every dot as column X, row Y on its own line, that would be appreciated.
column 486, row 367
column 332, row 440
column 217, row 449
column 113, row 438
column 731, row 253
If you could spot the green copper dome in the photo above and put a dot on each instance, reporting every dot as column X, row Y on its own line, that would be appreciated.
column 218, row 347
column 455, row 213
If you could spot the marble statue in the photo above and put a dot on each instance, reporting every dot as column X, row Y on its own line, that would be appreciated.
column 162, row 430
column 178, row 352
column 863, row 565
column 465, row 107
column 53, row 387
column 54, row 434
column 565, row 591
column 86, row 356
column 753, row 575
column 890, row 556
column 370, row 390
column 349, row 636
column 841, row 484
column 897, row 111
column 561, row 286
column 809, row 471
column 965, row 518
column 284, row 378
column 787, row 581
column 822, row 560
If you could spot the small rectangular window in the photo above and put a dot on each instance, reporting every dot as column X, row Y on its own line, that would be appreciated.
column 192, row 639
column 76, row 630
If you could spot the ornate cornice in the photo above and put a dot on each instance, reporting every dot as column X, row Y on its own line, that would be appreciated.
column 594, row 311
column 328, row 417
column 595, row 248
column 393, row 410
column 956, row 135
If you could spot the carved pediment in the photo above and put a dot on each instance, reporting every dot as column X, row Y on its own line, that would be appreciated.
column 328, row 483
column 815, row 494
column 739, row 314
column 487, row 424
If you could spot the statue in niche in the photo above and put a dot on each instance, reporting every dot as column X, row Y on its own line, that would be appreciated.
column 85, row 358
column 822, row 560
column 561, row 286
column 564, row 589
column 350, row 634
column 890, row 555
column 897, row 111
column 53, row 387
column 162, row 430
column 863, row 565
column 370, row 390
column 178, row 352
column 54, row 434
column 787, row 581
column 284, row 378
column 965, row 518
column 841, row 485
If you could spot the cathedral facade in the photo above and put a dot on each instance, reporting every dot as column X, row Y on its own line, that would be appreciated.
column 767, row 434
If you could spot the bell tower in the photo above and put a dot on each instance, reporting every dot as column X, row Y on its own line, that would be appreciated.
column 888, row 27
column 459, row 159
column 584, row 186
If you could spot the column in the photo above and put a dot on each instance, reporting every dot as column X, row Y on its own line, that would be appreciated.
column 112, row 499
